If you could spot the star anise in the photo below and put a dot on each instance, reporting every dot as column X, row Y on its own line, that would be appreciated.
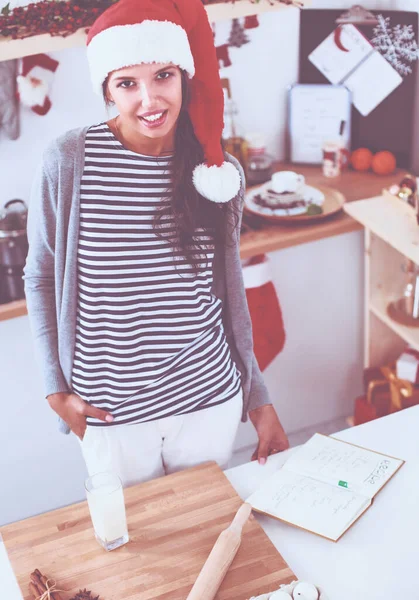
column 84, row 595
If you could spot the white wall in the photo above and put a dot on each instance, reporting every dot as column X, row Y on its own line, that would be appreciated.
column 317, row 376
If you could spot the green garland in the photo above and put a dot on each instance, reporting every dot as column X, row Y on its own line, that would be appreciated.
column 56, row 17
column 62, row 18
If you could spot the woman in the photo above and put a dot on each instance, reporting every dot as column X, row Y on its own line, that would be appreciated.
column 133, row 278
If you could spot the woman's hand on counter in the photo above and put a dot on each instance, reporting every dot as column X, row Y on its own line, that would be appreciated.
column 74, row 410
column 272, row 437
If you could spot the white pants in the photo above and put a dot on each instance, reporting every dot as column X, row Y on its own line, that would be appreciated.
column 144, row 451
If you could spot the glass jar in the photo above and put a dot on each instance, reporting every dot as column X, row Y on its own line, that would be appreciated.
column 234, row 142
column 258, row 161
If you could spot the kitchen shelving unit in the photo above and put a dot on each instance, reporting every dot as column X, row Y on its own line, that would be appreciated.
column 391, row 237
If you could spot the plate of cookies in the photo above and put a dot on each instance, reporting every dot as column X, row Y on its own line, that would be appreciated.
column 287, row 198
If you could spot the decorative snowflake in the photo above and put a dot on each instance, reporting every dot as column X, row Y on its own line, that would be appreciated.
column 397, row 44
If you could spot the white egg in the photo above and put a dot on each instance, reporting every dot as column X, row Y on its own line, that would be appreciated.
column 305, row 591
column 280, row 595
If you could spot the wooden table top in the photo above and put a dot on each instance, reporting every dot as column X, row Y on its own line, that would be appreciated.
column 173, row 524
column 352, row 184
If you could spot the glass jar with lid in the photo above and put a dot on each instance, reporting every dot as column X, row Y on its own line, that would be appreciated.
column 234, row 141
column 258, row 162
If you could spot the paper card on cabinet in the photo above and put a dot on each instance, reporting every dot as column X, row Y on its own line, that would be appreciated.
column 372, row 82
column 336, row 63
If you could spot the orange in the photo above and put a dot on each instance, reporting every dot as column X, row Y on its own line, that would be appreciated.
column 383, row 163
column 361, row 159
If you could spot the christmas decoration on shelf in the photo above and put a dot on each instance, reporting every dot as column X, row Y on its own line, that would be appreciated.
column 251, row 22
column 397, row 44
column 49, row 16
column 34, row 82
column 237, row 39
column 238, row 35
column 296, row 3
column 62, row 18
column 223, row 55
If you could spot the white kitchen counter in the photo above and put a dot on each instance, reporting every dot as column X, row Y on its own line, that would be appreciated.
column 377, row 559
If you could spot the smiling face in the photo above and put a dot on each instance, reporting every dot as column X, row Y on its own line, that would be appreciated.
column 148, row 98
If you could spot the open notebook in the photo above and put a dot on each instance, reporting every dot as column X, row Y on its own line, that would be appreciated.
column 325, row 486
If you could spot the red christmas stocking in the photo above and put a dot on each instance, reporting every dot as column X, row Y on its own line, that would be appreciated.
column 222, row 55
column 34, row 82
column 265, row 311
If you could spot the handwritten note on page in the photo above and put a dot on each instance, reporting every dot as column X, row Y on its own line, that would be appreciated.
column 332, row 461
column 325, row 485
column 307, row 503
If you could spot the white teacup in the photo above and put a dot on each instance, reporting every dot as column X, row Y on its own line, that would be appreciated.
column 287, row 181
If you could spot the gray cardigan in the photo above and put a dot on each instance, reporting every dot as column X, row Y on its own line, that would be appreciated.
column 50, row 274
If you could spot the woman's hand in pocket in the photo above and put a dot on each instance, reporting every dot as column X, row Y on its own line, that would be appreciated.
column 74, row 410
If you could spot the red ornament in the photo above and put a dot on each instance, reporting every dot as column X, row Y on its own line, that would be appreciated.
column 223, row 56
column 251, row 22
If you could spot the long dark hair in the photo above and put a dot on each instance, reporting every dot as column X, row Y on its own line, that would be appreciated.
column 190, row 210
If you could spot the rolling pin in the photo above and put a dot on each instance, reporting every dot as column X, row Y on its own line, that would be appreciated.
column 220, row 558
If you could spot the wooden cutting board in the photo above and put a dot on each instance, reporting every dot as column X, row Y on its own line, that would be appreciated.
column 173, row 523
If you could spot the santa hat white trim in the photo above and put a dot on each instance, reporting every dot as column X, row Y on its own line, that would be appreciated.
column 146, row 42
column 219, row 184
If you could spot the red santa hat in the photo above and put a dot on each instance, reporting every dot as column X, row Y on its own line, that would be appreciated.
column 131, row 32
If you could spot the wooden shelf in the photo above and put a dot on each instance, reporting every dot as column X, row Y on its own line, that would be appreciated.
column 216, row 12
column 40, row 44
column 378, row 306
column 392, row 220
column 391, row 238
column 12, row 310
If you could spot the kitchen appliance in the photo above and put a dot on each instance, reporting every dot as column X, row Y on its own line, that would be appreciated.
column 13, row 249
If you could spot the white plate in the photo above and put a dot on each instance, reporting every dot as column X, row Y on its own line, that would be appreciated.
column 310, row 194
